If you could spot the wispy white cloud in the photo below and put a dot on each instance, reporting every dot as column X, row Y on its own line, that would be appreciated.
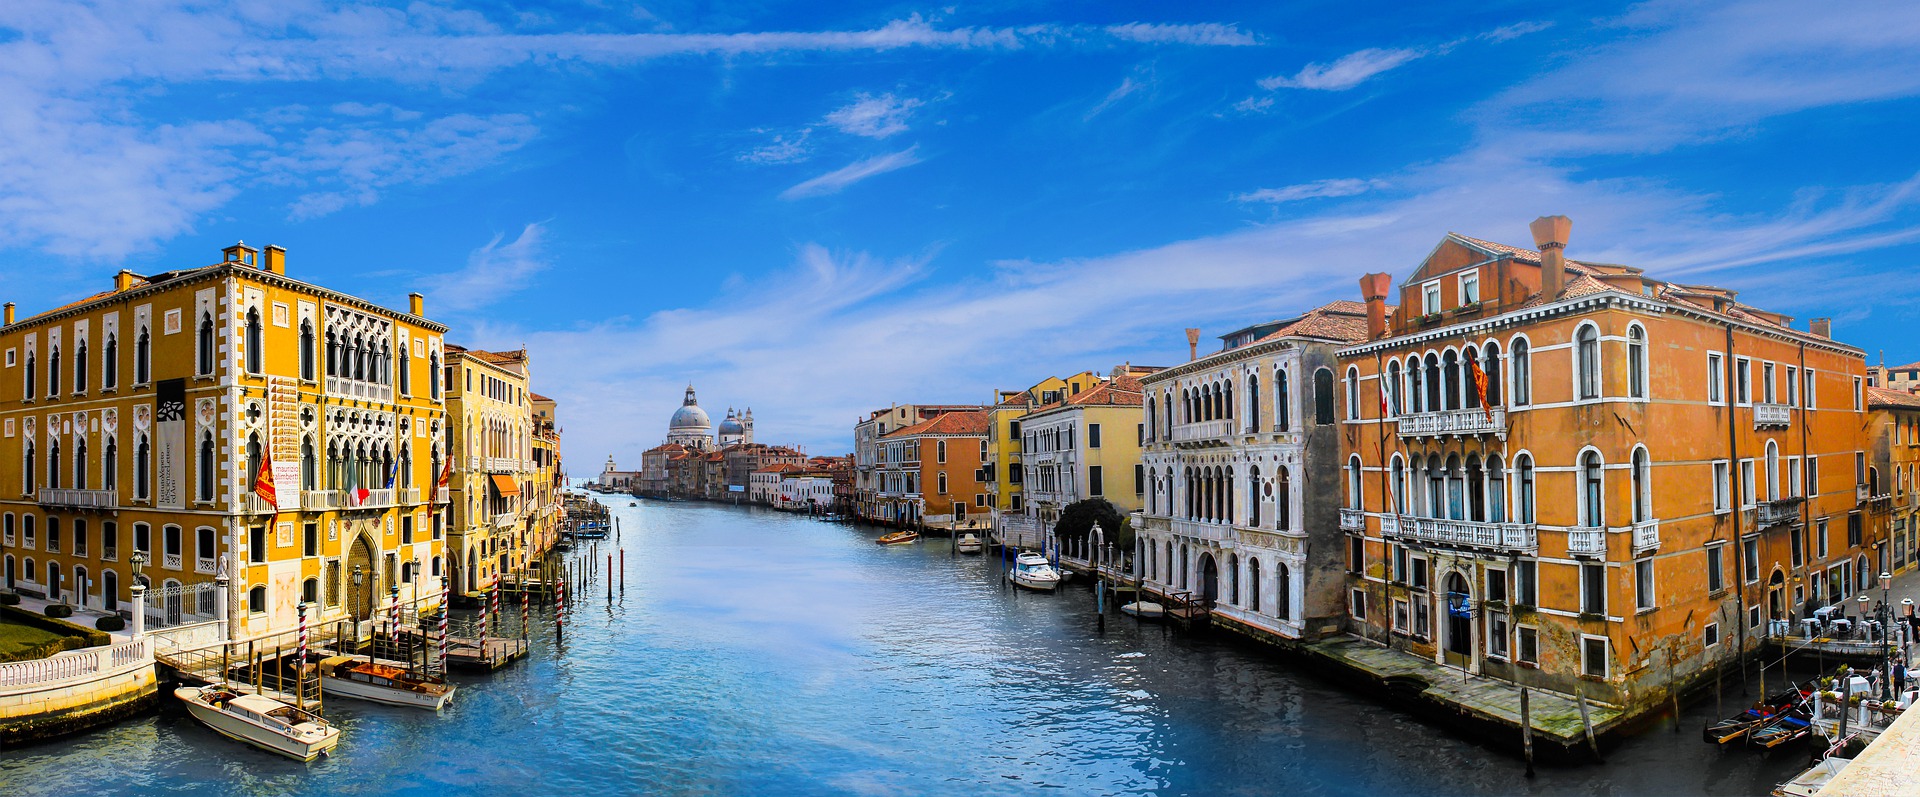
column 1338, row 187
column 348, row 167
column 785, row 148
column 835, row 181
column 1127, row 86
column 1253, row 105
column 874, row 116
column 1345, row 72
column 1209, row 34
column 493, row 273
column 1514, row 31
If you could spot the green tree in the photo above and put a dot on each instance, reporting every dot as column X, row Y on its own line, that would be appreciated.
column 1076, row 523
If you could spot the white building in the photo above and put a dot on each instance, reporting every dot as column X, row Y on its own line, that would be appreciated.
column 805, row 491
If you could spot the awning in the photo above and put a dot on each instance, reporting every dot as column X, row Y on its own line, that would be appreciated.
column 505, row 484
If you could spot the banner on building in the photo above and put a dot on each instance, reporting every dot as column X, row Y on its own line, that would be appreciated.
column 170, row 444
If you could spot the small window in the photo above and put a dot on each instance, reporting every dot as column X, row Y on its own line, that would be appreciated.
column 1716, row 379
column 1722, row 488
column 1711, row 636
column 1093, row 435
column 257, row 600
column 1431, row 295
column 1593, row 656
column 1742, row 380
column 1528, row 649
column 1716, row 568
column 1359, row 604
column 1643, row 587
column 1750, row 558
column 1593, row 588
column 1470, row 289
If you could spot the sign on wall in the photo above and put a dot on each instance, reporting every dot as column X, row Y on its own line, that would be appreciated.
column 170, row 444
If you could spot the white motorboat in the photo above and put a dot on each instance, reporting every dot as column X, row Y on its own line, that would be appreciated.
column 347, row 676
column 260, row 721
column 968, row 543
column 1145, row 610
column 1810, row 782
column 1031, row 570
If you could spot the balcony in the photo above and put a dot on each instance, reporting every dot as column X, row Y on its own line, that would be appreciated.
column 1470, row 533
column 1202, row 432
column 1353, row 519
column 1586, row 541
column 1646, row 535
column 506, row 519
column 442, row 495
column 1203, row 530
column 79, row 499
column 409, row 496
column 1463, row 423
column 1880, row 504
column 1766, row 415
column 204, row 565
column 320, row 499
column 340, row 386
column 1767, row 514
column 251, row 504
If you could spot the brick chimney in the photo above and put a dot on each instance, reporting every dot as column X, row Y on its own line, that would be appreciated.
column 1550, row 235
column 9, row 312
column 1193, row 343
column 417, row 305
column 1820, row 327
column 1373, row 288
column 276, row 260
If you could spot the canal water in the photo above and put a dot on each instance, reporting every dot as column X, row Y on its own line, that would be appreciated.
column 758, row 653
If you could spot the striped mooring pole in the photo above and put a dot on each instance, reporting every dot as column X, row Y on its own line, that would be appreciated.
column 302, row 661
column 483, row 626
column 393, row 618
column 446, row 608
column 493, row 599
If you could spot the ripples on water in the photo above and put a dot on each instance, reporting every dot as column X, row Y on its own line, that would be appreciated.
column 753, row 652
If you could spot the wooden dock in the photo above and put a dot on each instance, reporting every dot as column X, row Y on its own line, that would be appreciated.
column 476, row 655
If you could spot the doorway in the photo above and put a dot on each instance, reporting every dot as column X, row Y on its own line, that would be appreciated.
column 360, row 589
column 1459, row 647
column 1209, row 579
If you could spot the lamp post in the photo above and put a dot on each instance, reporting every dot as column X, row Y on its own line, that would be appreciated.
column 359, row 581
column 1886, row 642
column 138, row 590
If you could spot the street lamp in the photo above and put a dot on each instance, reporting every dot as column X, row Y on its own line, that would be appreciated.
column 139, row 561
column 359, row 580
column 1886, row 644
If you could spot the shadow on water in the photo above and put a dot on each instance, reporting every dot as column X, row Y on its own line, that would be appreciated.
column 757, row 652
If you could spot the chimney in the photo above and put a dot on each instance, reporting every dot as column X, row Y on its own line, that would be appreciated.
column 276, row 262
column 1373, row 288
column 1193, row 343
column 122, row 280
column 1550, row 235
column 417, row 305
column 9, row 319
column 1820, row 327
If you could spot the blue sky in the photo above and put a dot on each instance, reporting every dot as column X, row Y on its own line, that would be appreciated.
column 820, row 209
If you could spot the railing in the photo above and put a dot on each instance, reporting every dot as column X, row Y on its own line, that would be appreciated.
column 202, row 565
column 442, row 495
column 380, row 497
column 1352, row 519
column 170, row 561
column 1774, row 513
column 87, row 499
column 342, row 386
column 1203, row 430
column 1479, row 534
column 1880, row 504
column 252, row 504
column 1771, row 415
column 1453, row 422
column 1201, row 529
column 502, row 465
column 74, row 665
column 506, row 519
column 409, row 496
column 1646, row 535
column 1586, row 540
column 320, row 499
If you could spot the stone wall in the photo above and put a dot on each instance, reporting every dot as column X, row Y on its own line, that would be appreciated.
column 75, row 690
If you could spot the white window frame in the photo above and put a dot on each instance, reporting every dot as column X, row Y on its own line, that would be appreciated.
column 1469, row 286
column 1722, row 486
column 1747, row 483
column 1430, row 297
column 1646, row 593
column 1716, row 378
column 1606, row 650
column 1743, row 381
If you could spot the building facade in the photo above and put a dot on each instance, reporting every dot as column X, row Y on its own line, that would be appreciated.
column 929, row 472
column 1004, row 470
column 1233, row 516
column 134, row 424
column 1894, row 433
column 868, row 456
column 493, row 483
column 1080, row 446
column 1576, row 477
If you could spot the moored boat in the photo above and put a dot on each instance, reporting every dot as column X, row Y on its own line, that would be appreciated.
column 1810, row 782
column 968, row 543
column 260, row 721
column 1031, row 570
column 379, row 683
column 1145, row 610
column 1736, row 727
column 899, row 537
column 1787, row 727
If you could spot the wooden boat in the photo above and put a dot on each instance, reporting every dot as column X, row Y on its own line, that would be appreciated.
column 1145, row 610
column 1810, row 782
column 1736, row 727
column 260, row 721
column 968, row 543
column 348, row 676
column 1033, row 571
column 1789, row 726
column 899, row 537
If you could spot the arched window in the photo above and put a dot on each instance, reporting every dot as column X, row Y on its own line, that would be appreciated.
column 1394, row 407
column 1226, row 399
column 307, row 464
column 1643, row 488
column 1523, row 470
column 1283, row 591
column 256, row 355
column 1399, row 485
column 385, row 373
column 1416, row 386
column 1436, row 487
column 1450, row 373
column 1253, row 584
column 1282, row 418
column 1353, row 392
column 143, row 357
column 1436, row 384
column 205, row 361
column 1476, row 490
column 80, row 366
column 1152, row 408
column 1773, row 471
column 1522, row 374
column 257, row 600
column 1282, row 499
column 433, row 367
column 53, row 463
column 1636, row 361
column 31, row 372
column 1253, row 402
column 206, row 467
column 333, row 354
column 1353, row 482
column 310, row 589
column 253, row 460
column 1490, row 363
column 1587, row 353
column 1469, row 389
column 26, row 468
column 306, row 349
column 1323, row 396
column 1456, row 492
column 1233, row 579
column 110, row 465
column 79, row 462
column 1253, row 497
column 142, row 466
column 53, row 371
column 110, row 363
column 1496, row 490
column 1593, row 511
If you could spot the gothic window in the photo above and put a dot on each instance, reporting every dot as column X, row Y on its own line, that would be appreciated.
column 204, row 366
column 143, row 357
column 256, row 356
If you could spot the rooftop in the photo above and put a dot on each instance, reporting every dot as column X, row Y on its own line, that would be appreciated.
column 950, row 423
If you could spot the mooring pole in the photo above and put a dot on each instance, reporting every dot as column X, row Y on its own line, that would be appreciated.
column 1587, row 722
column 1526, row 727
column 623, row 570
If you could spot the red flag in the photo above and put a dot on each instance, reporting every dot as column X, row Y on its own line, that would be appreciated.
column 263, row 485
column 446, row 472
column 1480, row 386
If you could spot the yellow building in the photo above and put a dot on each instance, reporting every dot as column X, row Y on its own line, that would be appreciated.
column 133, row 423
column 1893, row 435
column 548, row 477
column 1004, row 471
column 493, row 470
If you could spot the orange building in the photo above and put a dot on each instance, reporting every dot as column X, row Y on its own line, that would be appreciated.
column 1894, row 429
column 930, row 472
column 1577, row 477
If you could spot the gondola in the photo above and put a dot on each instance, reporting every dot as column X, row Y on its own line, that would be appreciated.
column 1789, row 726
column 1736, row 727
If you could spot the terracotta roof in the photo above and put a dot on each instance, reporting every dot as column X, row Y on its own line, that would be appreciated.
column 1340, row 320
column 781, row 467
column 1892, row 399
column 1907, row 367
column 537, row 396
column 1121, row 391
column 948, row 423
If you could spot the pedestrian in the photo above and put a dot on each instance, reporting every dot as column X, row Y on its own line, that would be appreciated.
column 1899, row 678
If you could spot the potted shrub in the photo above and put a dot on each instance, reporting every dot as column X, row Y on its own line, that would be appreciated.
column 59, row 610
column 111, row 622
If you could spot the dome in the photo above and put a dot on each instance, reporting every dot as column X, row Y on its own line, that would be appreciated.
column 732, row 426
column 689, row 416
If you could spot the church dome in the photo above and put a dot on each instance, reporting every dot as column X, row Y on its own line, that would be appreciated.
column 731, row 426
column 689, row 417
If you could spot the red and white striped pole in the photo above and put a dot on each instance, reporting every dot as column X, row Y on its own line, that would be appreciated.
column 493, row 600
column 446, row 608
column 393, row 618
column 302, row 661
column 483, row 626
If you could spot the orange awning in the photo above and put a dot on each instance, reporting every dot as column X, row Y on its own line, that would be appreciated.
column 505, row 484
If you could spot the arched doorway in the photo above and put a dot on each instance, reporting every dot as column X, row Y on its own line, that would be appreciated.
column 110, row 591
column 1776, row 595
column 9, row 572
column 360, row 595
column 1459, row 647
column 1209, row 579
column 473, row 568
